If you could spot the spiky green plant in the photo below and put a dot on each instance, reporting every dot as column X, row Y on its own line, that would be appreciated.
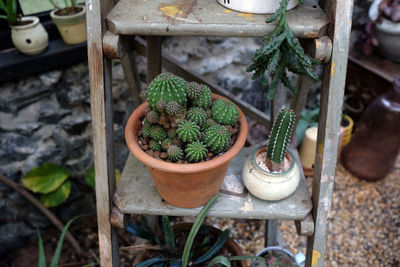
column 155, row 145
column 166, row 87
column 171, row 133
column 217, row 138
column 166, row 144
column 188, row 131
column 204, row 100
column 224, row 112
column 281, row 52
column 175, row 153
column 279, row 139
column 172, row 108
column 147, row 128
column 158, row 133
column 152, row 116
column 207, row 124
column 193, row 90
column 196, row 151
column 197, row 115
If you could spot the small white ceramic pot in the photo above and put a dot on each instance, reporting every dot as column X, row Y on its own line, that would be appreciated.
column 256, row 6
column 299, row 258
column 267, row 185
column 308, row 147
column 31, row 38
column 71, row 27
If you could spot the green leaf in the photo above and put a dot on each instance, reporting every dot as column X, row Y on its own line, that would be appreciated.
column 3, row 6
column 57, row 253
column 90, row 178
column 220, row 260
column 279, row 12
column 168, row 233
column 58, row 196
column 195, row 228
column 45, row 178
column 215, row 248
column 42, row 256
column 138, row 231
column 145, row 224
column 3, row 17
column 245, row 257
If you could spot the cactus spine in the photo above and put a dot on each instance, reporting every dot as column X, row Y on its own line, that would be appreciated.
column 197, row 115
column 280, row 136
column 188, row 131
column 224, row 112
column 175, row 153
column 196, row 151
column 204, row 100
column 217, row 138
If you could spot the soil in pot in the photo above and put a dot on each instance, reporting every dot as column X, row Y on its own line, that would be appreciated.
column 278, row 258
column 181, row 232
column 68, row 11
column 261, row 162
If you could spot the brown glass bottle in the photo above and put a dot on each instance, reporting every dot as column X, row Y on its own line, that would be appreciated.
column 375, row 144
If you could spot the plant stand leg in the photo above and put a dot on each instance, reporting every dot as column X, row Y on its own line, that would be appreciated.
column 153, row 54
column 271, row 233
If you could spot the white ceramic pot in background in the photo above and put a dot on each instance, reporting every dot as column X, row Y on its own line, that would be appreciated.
column 256, row 6
column 30, row 39
column 266, row 185
column 71, row 27
column 308, row 147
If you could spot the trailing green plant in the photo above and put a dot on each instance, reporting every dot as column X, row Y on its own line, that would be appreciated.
column 279, row 139
column 170, row 120
column 10, row 9
column 57, row 253
column 196, row 151
column 224, row 112
column 281, row 52
column 170, row 254
column 50, row 180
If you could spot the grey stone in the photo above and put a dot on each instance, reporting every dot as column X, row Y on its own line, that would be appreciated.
column 15, row 147
column 75, row 125
column 257, row 96
column 14, row 235
column 26, row 128
column 121, row 153
column 78, row 166
column 50, row 78
column 233, row 79
column 69, row 94
column 70, row 146
column 51, row 112
column 82, row 205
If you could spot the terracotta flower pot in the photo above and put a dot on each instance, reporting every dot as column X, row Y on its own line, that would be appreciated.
column 184, row 185
column 230, row 244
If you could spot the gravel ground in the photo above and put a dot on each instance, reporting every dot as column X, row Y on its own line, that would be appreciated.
column 364, row 229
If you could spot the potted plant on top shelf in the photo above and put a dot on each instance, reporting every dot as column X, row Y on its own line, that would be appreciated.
column 186, row 136
column 70, row 21
column 256, row 6
column 271, row 172
column 27, row 33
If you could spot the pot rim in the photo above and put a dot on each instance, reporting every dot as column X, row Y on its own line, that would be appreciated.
column 131, row 140
column 80, row 13
column 35, row 21
column 277, row 174
column 264, row 250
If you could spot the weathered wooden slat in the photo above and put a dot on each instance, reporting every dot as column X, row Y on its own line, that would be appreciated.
column 153, row 54
column 206, row 18
column 112, row 46
column 173, row 66
column 306, row 226
column 339, row 12
column 102, row 123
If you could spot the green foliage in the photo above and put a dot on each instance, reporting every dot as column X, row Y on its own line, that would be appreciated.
column 57, row 253
column 58, row 196
column 10, row 9
column 204, row 100
column 207, row 124
column 224, row 112
column 147, row 130
column 155, row 145
column 193, row 90
column 197, row 115
column 166, row 144
column 196, row 151
column 152, row 116
column 166, row 87
column 50, row 180
column 175, row 153
column 281, row 52
column 188, row 131
column 90, row 178
column 280, row 135
column 158, row 133
column 217, row 138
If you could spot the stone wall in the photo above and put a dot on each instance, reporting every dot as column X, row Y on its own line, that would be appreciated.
column 46, row 118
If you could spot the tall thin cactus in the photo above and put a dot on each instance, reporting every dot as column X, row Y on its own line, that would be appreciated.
column 279, row 139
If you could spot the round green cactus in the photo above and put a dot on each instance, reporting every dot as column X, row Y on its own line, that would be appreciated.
column 176, row 141
column 160, row 105
column 188, row 131
column 197, row 115
column 172, row 108
column 204, row 100
column 147, row 128
column 224, row 112
column 152, row 116
column 196, row 151
column 155, row 145
column 175, row 153
column 207, row 124
column 166, row 144
column 193, row 90
column 166, row 87
column 158, row 133
column 217, row 138
column 171, row 133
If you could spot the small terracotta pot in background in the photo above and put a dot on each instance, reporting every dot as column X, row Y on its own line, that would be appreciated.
column 184, row 185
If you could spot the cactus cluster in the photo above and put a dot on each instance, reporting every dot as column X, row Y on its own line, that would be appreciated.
column 183, row 122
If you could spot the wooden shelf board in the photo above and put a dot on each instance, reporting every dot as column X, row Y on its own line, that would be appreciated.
column 206, row 18
column 136, row 194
